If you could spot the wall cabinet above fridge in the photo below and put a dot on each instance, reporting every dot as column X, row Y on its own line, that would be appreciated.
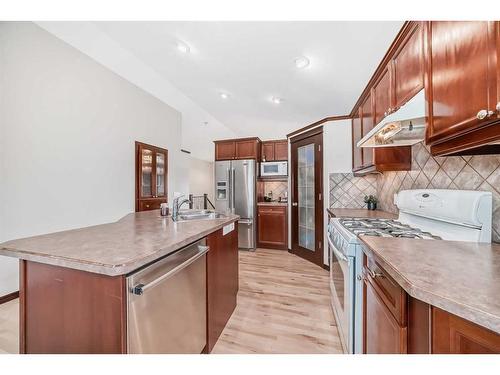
column 243, row 148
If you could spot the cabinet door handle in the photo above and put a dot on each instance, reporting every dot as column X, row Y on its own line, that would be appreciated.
column 374, row 274
column 483, row 113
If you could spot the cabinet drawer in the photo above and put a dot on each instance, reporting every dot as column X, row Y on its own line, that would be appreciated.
column 150, row 204
column 393, row 296
column 272, row 209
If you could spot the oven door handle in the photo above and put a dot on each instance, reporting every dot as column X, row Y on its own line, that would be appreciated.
column 337, row 253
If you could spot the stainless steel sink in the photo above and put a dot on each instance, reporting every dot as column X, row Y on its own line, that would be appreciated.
column 186, row 215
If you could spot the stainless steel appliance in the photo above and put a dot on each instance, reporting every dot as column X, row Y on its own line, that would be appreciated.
column 235, row 192
column 166, row 304
column 429, row 214
column 274, row 169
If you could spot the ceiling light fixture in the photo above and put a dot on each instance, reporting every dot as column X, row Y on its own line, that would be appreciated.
column 223, row 95
column 301, row 62
column 183, row 47
column 276, row 100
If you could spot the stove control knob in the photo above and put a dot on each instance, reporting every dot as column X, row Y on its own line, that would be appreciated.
column 359, row 277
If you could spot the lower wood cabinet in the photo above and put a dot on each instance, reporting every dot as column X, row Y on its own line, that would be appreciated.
column 396, row 323
column 272, row 224
column 222, row 282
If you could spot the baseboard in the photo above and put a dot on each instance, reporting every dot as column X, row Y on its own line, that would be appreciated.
column 9, row 297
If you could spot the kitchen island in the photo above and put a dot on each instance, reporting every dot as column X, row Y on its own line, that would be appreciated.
column 73, row 291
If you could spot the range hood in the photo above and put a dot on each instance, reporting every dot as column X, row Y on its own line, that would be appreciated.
column 405, row 127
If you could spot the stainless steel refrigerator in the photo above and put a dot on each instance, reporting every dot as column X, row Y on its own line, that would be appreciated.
column 235, row 182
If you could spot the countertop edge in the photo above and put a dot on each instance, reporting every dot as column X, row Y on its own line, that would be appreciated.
column 108, row 269
column 476, row 316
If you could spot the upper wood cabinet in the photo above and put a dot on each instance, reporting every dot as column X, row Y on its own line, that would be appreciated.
column 244, row 148
column 275, row 150
column 366, row 114
column 357, row 134
column 151, row 166
column 225, row 150
column 408, row 66
column 462, row 77
column 383, row 95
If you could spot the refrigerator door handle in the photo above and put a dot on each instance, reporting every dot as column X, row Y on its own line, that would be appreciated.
column 233, row 203
column 229, row 188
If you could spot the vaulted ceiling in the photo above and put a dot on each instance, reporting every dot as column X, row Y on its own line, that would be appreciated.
column 252, row 62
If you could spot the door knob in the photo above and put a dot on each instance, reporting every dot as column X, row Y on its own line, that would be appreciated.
column 483, row 113
column 295, row 204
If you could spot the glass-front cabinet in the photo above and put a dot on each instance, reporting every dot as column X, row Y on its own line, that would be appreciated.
column 151, row 176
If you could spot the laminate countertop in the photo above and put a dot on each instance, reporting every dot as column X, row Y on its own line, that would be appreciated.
column 279, row 204
column 462, row 278
column 361, row 212
column 116, row 248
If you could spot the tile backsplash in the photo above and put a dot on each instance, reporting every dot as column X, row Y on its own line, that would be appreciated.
column 348, row 191
column 278, row 189
column 480, row 172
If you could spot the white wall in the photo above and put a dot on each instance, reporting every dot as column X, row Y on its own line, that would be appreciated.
column 88, row 38
column 68, row 127
column 337, row 158
column 201, row 178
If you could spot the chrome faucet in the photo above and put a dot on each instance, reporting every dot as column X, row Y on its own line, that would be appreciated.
column 177, row 205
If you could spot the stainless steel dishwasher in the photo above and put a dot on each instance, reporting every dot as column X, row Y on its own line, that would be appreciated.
column 167, row 304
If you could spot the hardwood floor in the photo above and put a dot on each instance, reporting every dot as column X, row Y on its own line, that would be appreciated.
column 283, row 307
column 9, row 327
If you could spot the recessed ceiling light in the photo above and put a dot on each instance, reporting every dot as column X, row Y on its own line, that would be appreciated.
column 182, row 47
column 224, row 95
column 276, row 100
column 301, row 62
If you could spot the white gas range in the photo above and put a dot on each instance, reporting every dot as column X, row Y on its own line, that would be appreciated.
column 430, row 214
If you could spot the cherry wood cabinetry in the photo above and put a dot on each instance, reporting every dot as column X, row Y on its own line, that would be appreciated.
column 394, row 322
column 151, row 169
column 66, row 311
column 454, row 335
column 272, row 231
column 408, row 66
column 462, row 79
column 357, row 134
column 275, row 150
column 244, row 148
column 366, row 114
column 222, row 282
column 383, row 93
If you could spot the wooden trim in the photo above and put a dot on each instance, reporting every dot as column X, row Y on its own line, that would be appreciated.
column 317, row 123
column 400, row 37
column 310, row 133
column 238, row 139
column 9, row 297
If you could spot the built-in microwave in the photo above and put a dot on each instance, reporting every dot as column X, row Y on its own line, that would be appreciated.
column 273, row 168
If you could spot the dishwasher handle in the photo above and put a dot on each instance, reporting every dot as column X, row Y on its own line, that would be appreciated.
column 139, row 289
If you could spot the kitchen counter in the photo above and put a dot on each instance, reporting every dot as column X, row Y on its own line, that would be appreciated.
column 361, row 212
column 461, row 278
column 116, row 248
column 272, row 204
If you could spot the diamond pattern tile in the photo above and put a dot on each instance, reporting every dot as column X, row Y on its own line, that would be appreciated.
column 480, row 172
column 348, row 191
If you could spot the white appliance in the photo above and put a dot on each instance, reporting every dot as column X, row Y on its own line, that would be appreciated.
column 235, row 191
column 274, row 169
column 427, row 214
